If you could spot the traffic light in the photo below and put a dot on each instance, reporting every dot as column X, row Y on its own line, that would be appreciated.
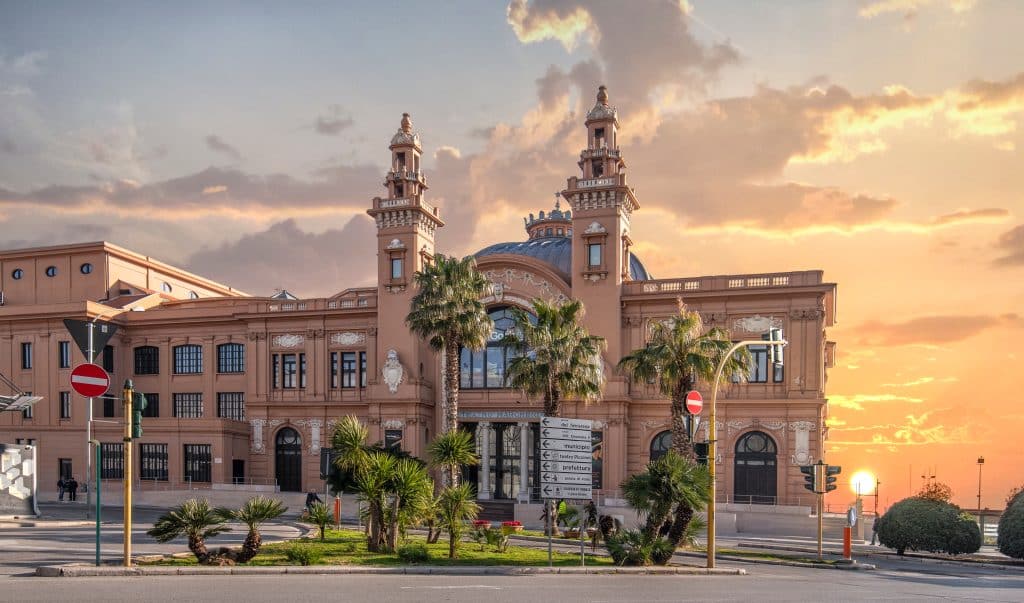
column 138, row 405
column 775, row 351
column 830, row 480
column 808, row 471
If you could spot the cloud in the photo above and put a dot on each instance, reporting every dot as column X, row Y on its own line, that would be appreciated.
column 857, row 401
column 562, row 23
column 1011, row 243
column 932, row 330
column 29, row 63
column 215, row 143
column 333, row 123
column 910, row 8
column 988, row 214
column 284, row 256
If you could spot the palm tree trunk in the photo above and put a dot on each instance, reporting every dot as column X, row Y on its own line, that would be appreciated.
column 551, row 404
column 452, row 551
column 393, row 525
column 681, row 443
column 250, row 547
column 198, row 547
column 683, row 516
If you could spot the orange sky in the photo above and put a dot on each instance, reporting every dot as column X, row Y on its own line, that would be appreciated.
column 878, row 140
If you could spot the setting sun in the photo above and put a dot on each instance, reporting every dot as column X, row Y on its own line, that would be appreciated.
column 863, row 483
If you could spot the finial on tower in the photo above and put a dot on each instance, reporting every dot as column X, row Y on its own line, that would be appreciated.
column 602, row 94
column 407, row 122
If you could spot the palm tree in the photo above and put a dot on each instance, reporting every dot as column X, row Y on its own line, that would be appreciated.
column 456, row 506
column 668, row 493
column 557, row 357
column 410, row 491
column 677, row 355
column 452, row 450
column 447, row 312
column 319, row 516
column 195, row 520
column 254, row 513
column 349, row 444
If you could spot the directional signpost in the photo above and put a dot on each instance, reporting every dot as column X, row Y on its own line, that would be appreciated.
column 566, row 464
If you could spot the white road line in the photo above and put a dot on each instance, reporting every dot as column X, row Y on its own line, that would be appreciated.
column 453, row 587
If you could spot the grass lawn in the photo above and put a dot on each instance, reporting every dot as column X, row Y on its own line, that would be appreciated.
column 348, row 547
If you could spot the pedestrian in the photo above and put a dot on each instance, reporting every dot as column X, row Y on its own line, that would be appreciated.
column 61, row 485
column 73, row 488
column 312, row 499
column 874, row 530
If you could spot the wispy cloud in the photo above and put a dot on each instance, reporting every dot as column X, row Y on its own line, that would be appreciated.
column 857, row 401
column 333, row 123
column 217, row 144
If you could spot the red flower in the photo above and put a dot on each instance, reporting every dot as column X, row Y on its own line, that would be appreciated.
column 512, row 523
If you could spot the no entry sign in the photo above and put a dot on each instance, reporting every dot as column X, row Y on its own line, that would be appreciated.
column 694, row 402
column 90, row 380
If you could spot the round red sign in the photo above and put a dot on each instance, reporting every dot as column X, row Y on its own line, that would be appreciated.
column 90, row 380
column 694, row 402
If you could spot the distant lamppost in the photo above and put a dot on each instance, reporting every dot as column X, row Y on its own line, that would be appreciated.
column 981, row 461
column 877, row 484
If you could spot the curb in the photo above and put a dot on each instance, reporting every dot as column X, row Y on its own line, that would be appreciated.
column 823, row 566
column 81, row 571
column 998, row 564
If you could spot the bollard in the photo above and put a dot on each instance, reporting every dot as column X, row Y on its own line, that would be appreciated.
column 337, row 512
column 847, row 543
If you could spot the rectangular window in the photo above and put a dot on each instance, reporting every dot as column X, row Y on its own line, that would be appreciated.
column 147, row 360
column 188, row 406
column 112, row 459
column 288, row 370
column 65, row 405
column 335, row 374
column 231, row 405
column 231, row 358
column 396, row 268
column 597, row 459
column 63, row 354
column 302, row 371
column 26, row 355
column 348, row 369
column 153, row 462
column 152, row 406
column 758, row 364
column 362, row 369
column 108, row 408
column 108, row 358
column 27, row 412
column 495, row 367
column 393, row 439
column 276, row 371
column 197, row 462
column 188, row 359
column 594, row 254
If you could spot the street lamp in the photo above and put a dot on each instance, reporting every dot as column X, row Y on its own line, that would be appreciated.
column 981, row 461
column 877, row 484
column 713, row 434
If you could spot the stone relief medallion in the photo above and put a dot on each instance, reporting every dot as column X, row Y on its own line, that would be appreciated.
column 393, row 424
column 395, row 244
column 392, row 371
column 348, row 338
column 595, row 227
column 289, row 340
column 757, row 323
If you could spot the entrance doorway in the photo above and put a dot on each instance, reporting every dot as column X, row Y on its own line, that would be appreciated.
column 288, row 460
column 755, row 469
column 237, row 471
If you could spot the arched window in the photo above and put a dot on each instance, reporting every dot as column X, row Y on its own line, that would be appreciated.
column 188, row 359
column 486, row 368
column 231, row 358
column 661, row 444
column 755, row 469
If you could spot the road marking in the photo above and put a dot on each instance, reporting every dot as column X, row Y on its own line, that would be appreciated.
column 453, row 587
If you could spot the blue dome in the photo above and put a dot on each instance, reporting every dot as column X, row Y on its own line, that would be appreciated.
column 557, row 252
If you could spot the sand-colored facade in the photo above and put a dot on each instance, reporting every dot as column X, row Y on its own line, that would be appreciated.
column 283, row 371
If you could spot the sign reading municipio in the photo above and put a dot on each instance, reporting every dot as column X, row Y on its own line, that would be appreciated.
column 566, row 458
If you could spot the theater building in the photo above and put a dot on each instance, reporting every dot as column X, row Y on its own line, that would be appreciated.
column 247, row 390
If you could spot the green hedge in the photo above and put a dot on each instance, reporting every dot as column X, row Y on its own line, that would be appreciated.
column 920, row 524
column 1011, row 530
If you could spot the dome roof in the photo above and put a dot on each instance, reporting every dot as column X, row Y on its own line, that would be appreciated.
column 557, row 252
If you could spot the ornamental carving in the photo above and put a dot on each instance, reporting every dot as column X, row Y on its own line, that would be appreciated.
column 757, row 324
column 395, row 244
column 654, row 424
column 348, row 338
column 595, row 228
column 393, row 424
column 511, row 275
column 806, row 314
column 257, row 435
column 315, row 426
column 289, row 340
column 801, row 425
column 392, row 371
column 597, row 424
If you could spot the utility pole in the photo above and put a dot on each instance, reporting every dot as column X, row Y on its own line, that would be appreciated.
column 128, row 394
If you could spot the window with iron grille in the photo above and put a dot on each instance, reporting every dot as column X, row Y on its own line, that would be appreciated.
column 188, row 406
column 152, row 406
column 64, row 354
column 26, row 355
column 65, row 405
column 112, row 461
column 231, row 358
column 197, row 463
column 231, row 405
column 147, row 360
column 188, row 359
column 153, row 462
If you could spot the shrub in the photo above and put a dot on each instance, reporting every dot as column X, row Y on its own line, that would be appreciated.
column 317, row 515
column 303, row 555
column 1010, row 539
column 632, row 547
column 922, row 524
column 415, row 552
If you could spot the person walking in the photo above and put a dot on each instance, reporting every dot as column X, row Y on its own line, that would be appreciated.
column 73, row 488
column 874, row 530
column 312, row 499
column 61, row 485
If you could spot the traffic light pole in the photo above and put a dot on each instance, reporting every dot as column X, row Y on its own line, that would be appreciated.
column 821, row 509
column 713, row 438
column 128, row 394
column 88, row 432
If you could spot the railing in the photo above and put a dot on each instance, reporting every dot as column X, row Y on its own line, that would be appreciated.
column 357, row 301
column 724, row 283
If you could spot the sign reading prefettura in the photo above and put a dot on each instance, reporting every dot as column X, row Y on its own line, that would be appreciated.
column 567, row 458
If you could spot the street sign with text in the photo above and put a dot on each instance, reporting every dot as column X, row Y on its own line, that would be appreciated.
column 561, row 423
column 566, row 449
column 565, row 434
column 566, row 467
column 566, row 456
column 566, row 491
column 567, row 445
column 581, row 479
